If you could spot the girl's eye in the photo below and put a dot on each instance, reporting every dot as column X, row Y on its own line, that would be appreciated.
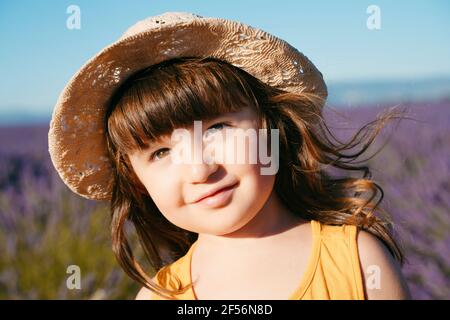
column 157, row 154
column 217, row 126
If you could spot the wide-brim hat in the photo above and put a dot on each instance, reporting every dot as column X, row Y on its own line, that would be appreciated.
column 77, row 141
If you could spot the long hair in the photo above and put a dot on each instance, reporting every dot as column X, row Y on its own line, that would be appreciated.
column 172, row 94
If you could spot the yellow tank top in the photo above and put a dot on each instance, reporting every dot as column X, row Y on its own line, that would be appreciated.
column 333, row 271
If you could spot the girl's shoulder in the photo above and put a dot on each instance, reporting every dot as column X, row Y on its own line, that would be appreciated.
column 381, row 271
column 359, row 258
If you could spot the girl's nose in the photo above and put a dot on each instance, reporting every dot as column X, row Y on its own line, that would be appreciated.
column 200, row 172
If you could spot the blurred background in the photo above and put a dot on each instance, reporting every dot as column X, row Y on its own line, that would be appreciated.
column 374, row 55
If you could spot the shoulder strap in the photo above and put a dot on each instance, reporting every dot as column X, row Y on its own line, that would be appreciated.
column 340, row 258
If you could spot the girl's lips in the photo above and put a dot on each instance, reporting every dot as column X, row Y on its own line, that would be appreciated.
column 218, row 199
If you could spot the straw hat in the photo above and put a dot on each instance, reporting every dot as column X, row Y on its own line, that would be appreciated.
column 76, row 138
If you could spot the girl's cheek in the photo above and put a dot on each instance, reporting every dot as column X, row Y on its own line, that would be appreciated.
column 233, row 147
column 166, row 183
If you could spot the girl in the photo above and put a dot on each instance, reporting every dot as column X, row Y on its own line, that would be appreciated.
column 218, row 229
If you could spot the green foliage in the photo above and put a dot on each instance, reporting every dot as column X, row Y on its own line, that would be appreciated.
column 38, row 269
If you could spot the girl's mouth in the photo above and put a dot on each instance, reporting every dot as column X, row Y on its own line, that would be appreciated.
column 218, row 199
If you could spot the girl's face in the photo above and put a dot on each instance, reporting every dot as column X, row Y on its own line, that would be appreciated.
column 176, row 186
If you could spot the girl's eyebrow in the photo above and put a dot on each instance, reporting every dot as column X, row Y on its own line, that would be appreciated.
column 219, row 117
column 165, row 139
column 154, row 143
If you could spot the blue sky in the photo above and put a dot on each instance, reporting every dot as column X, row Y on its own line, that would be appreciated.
column 39, row 53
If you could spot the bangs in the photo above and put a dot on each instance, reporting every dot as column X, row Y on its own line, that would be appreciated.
column 173, row 94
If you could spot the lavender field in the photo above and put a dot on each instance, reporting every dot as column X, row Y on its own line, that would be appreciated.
column 44, row 227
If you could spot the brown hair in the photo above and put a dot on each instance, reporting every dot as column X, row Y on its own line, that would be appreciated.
column 173, row 94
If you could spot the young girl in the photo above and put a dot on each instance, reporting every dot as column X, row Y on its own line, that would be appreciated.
column 219, row 229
